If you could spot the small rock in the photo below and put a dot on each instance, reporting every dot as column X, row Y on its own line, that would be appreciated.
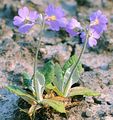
column 43, row 51
column 105, row 82
column 60, row 52
column 101, row 113
column 110, row 82
column 10, row 65
column 104, row 66
column 89, row 100
column 88, row 113
column 108, row 118
column 111, row 110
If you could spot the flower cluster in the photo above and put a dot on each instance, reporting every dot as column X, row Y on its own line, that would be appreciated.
column 25, row 20
column 98, row 24
column 55, row 19
column 98, row 21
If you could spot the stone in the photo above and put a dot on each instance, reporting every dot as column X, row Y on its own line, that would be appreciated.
column 101, row 113
column 88, row 113
column 110, row 82
column 104, row 66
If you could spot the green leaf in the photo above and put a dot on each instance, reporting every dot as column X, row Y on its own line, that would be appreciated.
column 68, row 68
column 69, row 81
column 26, row 80
column 39, row 85
column 82, row 91
column 58, row 81
column 55, row 89
column 48, row 72
column 72, row 60
column 57, row 105
column 23, row 94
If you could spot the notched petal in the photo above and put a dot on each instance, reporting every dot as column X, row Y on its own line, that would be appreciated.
column 25, row 28
column 17, row 20
column 23, row 12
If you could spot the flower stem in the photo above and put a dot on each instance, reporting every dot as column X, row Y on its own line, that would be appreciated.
column 75, row 66
column 36, row 56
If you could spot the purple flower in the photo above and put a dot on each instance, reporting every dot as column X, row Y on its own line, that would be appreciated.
column 55, row 17
column 72, row 27
column 98, row 21
column 25, row 20
column 73, row 23
column 93, row 37
column 98, row 24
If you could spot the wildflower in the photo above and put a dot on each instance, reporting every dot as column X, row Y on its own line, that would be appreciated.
column 55, row 17
column 93, row 37
column 73, row 27
column 25, row 20
column 98, row 21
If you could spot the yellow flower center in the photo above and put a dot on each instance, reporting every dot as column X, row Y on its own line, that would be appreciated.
column 51, row 18
column 95, row 22
column 27, row 18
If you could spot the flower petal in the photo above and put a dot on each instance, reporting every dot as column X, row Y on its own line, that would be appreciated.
column 18, row 21
column 98, row 21
column 93, row 16
column 73, row 23
column 50, row 10
column 25, row 28
column 54, row 25
column 59, row 13
column 99, row 28
column 71, row 32
column 94, row 33
column 98, row 13
column 63, row 22
column 92, row 41
column 23, row 12
column 33, row 15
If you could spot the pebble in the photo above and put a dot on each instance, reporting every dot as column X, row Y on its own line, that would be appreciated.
column 110, row 82
column 108, row 118
column 104, row 66
column 101, row 113
column 89, row 100
column 111, row 111
column 88, row 113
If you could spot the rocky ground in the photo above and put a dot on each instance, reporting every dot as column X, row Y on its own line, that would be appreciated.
column 17, row 53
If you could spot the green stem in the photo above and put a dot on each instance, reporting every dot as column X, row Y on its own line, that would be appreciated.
column 36, row 56
column 75, row 66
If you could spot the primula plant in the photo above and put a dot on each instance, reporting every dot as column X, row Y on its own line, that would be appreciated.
column 52, row 84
